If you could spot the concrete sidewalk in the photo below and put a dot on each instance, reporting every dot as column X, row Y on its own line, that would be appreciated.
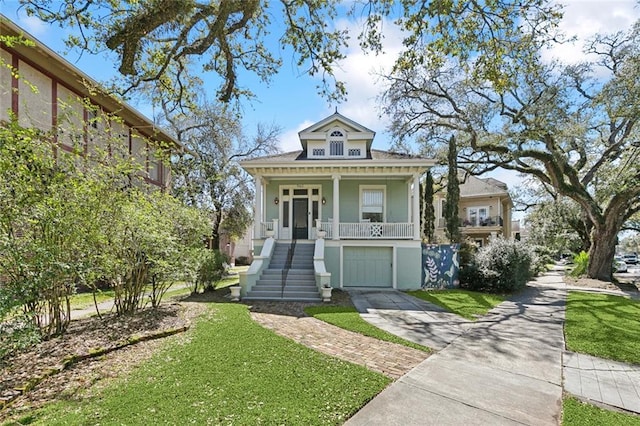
column 504, row 369
column 409, row 317
column 602, row 380
column 507, row 368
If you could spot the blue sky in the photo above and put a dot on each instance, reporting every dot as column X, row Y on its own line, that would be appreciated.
column 291, row 100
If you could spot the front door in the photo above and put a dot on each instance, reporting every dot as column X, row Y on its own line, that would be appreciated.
column 301, row 218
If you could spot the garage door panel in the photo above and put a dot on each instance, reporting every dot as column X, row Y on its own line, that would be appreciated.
column 368, row 266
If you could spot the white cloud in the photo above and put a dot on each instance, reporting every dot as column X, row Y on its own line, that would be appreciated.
column 33, row 25
column 289, row 141
column 583, row 19
column 361, row 74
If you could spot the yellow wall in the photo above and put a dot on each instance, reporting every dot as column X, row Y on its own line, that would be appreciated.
column 80, row 124
column 34, row 89
column 5, row 85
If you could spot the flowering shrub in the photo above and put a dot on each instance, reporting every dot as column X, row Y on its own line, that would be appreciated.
column 499, row 267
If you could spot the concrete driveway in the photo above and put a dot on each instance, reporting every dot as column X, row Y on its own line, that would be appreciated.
column 508, row 368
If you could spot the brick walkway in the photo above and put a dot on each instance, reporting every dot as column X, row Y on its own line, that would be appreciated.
column 390, row 359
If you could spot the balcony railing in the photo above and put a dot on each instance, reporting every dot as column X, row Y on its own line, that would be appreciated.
column 369, row 231
column 474, row 222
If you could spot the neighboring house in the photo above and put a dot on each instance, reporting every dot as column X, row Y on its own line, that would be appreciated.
column 484, row 210
column 352, row 211
column 46, row 92
column 519, row 231
column 239, row 251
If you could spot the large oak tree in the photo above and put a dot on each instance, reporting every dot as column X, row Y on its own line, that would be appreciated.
column 160, row 42
column 573, row 127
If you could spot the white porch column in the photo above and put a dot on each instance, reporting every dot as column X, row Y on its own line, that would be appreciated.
column 335, row 225
column 416, row 207
column 257, row 212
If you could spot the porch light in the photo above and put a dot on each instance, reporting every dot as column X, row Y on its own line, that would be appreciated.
column 324, row 201
column 276, row 201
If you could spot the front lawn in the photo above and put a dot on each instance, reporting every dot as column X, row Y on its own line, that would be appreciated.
column 228, row 370
column 85, row 300
column 467, row 304
column 577, row 413
column 347, row 317
column 603, row 325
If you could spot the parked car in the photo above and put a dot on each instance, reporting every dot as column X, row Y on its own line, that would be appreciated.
column 630, row 259
column 619, row 266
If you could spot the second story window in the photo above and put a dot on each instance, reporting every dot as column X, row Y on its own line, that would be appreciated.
column 336, row 143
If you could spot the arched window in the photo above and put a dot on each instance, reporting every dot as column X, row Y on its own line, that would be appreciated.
column 336, row 143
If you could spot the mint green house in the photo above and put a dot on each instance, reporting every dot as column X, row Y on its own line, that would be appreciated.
column 335, row 213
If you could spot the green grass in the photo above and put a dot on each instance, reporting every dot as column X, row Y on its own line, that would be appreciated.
column 85, row 300
column 348, row 318
column 577, row 413
column 237, row 269
column 176, row 293
column 467, row 304
column 228, row 282
column 229, row 371
column 603, row 325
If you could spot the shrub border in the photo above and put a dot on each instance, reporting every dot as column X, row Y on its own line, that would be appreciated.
column 70, row 360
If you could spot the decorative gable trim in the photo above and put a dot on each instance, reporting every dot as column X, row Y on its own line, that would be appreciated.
column 358, row 128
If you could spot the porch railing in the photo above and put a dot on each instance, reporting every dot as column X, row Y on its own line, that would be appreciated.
column 269, row 229
column 370, row 231
column 475, row 222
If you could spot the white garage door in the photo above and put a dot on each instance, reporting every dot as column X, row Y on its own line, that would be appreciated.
column 368, row 266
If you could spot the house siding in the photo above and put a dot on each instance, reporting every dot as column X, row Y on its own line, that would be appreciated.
column 408, row 275
column 349, row 200
column 396, row 203
column 332, row 264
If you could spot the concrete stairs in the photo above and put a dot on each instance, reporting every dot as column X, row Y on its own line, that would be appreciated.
column 300, row 282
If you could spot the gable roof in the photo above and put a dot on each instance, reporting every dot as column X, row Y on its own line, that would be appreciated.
column 476, row 187
column 318, row 131
column 336, row 116
column 373, row 163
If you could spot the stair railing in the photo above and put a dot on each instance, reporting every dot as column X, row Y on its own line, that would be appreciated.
column 287, row 265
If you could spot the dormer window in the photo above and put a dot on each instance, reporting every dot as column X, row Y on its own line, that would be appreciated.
column 336, row 143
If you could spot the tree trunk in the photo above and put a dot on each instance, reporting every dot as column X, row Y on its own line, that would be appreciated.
column 602, row 251
column 215, row 234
